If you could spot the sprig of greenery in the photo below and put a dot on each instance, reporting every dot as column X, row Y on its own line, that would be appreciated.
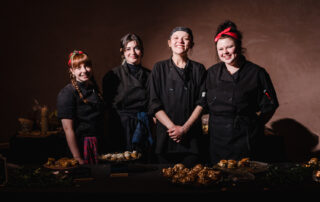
column 290, row 174
column 37, row 177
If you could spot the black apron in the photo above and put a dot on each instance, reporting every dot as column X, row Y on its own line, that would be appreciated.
column 126, row 95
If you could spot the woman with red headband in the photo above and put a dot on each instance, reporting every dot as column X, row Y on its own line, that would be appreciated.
column 241, row 99
column 80, row 108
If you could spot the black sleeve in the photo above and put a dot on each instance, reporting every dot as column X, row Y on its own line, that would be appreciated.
column 66, row 104
column 201, row 97
column 267, row 99
column 110, row 84
column 147, row 86
column 155, row 103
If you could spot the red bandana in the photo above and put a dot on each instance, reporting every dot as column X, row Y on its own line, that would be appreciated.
column 226, row 32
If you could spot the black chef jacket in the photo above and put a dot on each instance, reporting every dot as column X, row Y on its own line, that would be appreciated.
column 87, row 117
column 126, row 93
column 233, row 102
column 177, row 92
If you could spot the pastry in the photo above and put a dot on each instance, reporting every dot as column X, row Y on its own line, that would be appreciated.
column 245, row 162
column 223, row 163
column 178, row 166
column 232, row 163
column 313, row 161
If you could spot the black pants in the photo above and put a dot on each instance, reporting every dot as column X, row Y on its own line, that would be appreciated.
column 187, row 159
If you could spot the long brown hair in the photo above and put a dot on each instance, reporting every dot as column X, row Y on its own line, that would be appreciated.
column 128, row 38
column 76, row 58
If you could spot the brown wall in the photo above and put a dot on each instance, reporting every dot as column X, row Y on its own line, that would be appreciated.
column 281, row 35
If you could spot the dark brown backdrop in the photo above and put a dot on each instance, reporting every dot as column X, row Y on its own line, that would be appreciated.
column 280, row 35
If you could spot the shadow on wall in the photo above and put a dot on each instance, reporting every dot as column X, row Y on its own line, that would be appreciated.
column 298, row 141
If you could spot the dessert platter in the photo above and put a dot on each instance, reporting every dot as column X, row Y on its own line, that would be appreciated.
column 197, row 176
column 127, row 156
column 245, row 165
column 61, row 164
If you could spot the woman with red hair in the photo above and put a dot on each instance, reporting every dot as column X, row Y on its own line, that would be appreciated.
column 80, row 108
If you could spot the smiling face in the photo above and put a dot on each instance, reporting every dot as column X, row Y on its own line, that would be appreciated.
column 82, row 72
column 180, row 42
column 226, row 49
column 132, row 53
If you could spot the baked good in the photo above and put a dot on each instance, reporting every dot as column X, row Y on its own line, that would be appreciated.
column 223, row 163
column 313, row 161
column 232, row 163
column 197, row 167
column 245, row 162
column 178, row 166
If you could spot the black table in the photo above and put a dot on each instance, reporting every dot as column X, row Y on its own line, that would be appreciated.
column 145, row 180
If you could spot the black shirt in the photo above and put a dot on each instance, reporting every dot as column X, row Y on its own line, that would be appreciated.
column 246, row 92
column 125, row 91
column 177, row 92
column 233, row 101
column 87, row 117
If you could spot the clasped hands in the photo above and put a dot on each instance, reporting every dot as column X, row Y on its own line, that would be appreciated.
column 176, row 133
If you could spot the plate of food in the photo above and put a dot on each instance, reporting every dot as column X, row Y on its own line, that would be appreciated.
column 61, row 164
column 197, row 176
column 243, row 165
column 121, row 156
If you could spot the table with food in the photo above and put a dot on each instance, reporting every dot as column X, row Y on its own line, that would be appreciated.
column 65, row 175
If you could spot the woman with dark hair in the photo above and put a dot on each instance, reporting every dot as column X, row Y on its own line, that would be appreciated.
column 241, row 99
column 80, row 107
column 126, row 96
column 177, row 96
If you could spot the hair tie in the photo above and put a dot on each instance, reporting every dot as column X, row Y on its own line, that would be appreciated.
column 226, row 32
column 72, row 54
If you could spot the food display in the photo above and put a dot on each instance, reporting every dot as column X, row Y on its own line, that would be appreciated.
column 121, row 157
column 61, row 164
column 313, row 162
column 198, row 175
column 243, row 165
